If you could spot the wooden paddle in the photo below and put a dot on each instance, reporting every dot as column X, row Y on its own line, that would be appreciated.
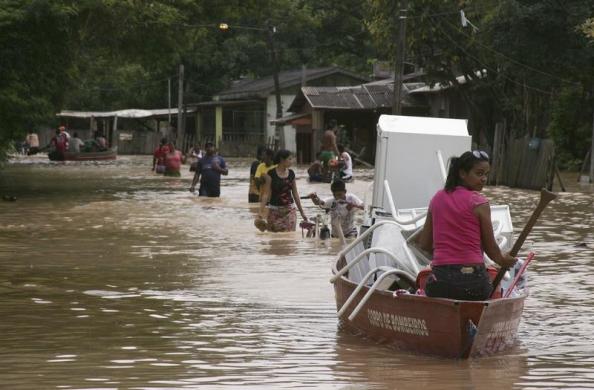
column 545, row 198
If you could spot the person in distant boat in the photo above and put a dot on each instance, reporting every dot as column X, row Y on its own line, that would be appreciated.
column 346, row 165
column 342, row 206
column 263, row 168
column 101, row 141
column 57, row 146
column 457, row 229
column 159, row 156
column 32, row 143
column 75, row 143
column 64, row 134
column 253, row 192
column 173, row 161
column 208, row 172
column 279, row 196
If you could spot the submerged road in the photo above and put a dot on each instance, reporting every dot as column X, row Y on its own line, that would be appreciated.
column 112, row 277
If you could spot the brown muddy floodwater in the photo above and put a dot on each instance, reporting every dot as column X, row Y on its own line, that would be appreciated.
column 114, row 278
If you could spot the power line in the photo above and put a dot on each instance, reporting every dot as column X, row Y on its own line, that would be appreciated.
column 488, row 67
column 512, row 59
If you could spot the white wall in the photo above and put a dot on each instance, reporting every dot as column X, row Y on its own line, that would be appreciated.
column 289, row 132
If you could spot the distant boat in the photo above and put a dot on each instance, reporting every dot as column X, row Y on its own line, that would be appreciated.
column 109, row 154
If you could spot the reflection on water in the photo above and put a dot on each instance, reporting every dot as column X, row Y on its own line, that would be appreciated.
column 112, row 277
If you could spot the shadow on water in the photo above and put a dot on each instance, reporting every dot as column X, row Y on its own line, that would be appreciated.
column 113, row 277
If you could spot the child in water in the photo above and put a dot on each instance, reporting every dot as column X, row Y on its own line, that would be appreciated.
column 457, row 229
column 342, row 206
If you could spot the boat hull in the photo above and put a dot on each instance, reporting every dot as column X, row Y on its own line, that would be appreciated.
column 110, row 154
column 434, row 326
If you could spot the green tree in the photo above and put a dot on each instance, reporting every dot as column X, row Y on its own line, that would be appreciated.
column 36, row 64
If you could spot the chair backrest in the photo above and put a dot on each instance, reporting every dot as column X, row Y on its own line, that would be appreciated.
column 359, row 270
column 390, row 237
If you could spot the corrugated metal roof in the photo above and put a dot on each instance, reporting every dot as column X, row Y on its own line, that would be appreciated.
column 362, row 97
column 265, row 86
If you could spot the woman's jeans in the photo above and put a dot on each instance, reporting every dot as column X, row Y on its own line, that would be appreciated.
column 462, row 282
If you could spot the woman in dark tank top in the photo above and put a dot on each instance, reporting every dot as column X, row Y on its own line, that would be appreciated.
column 279, row 196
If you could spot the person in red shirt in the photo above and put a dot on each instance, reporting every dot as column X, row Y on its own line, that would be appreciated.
column 159, row 156
column 173, row 161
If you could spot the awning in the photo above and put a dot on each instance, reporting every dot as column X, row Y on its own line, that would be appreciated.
column 301, row 119
column 128, row 113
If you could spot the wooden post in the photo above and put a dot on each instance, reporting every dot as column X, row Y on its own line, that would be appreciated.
column 497, row 144
column 399, row 60
column 168, row 103
column 592, row 153
column 218, row 125
column 180, row 103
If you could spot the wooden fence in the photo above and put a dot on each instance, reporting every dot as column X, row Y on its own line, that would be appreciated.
column 523, row 163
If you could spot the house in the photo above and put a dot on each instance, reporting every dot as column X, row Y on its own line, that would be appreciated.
column 242, row 113
column 358, row 108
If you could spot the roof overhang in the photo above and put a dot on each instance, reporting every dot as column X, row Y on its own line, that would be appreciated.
column 128, row 113
column 301, row 119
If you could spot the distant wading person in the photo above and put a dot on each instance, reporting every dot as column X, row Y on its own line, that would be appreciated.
column 159, row 156
column 253, row 192
column 173, row 161
column 457, row 230
column 208, row 171
column 279, row 196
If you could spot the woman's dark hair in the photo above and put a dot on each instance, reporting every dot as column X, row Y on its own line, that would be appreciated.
column 282, row 154
column 268, row 152
column 463, row 163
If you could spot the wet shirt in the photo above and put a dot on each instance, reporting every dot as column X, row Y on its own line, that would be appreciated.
column 338, row 210
column 173, row 161
column 261, row 171
column 281, row 188
column 456, row 229
column 75, row 144
column 160, row 153
column 210, row 177
column 348, row 164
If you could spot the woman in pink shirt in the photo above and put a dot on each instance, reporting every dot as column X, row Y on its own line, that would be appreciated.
column 458, row 229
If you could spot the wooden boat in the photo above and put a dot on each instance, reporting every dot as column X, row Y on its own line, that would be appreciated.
column 109, row 154
column 378, row 278
column 434, row 326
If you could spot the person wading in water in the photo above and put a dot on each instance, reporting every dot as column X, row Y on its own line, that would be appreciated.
column 279, row 196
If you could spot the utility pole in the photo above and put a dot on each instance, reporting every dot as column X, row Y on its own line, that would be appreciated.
column 180, row 103
column 275, row 71
column 399, row 59
column 169, row 102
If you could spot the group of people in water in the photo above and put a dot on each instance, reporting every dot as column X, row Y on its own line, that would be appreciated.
column 62, row 142
column 457, row 229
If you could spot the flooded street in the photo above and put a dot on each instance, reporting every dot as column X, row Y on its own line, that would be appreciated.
column 112, row 277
